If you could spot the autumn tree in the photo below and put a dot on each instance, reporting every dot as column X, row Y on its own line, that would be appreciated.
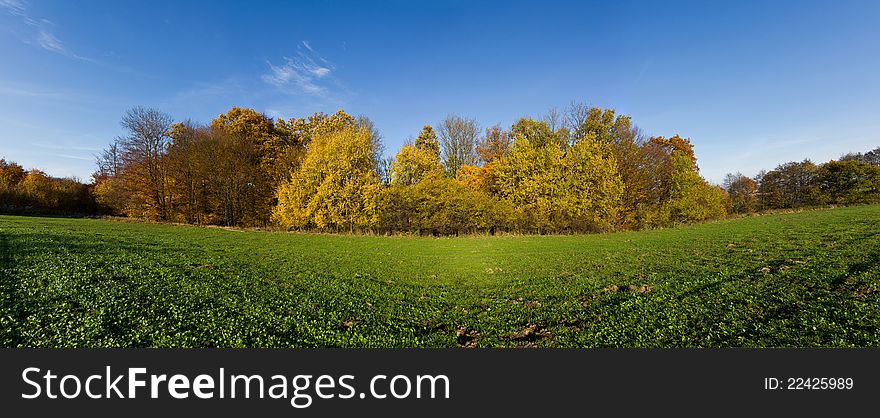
column 691, row 198
column 676, row 145
column 194, row 173
column 600, row 124
column 427, row 141
column 414, row 164
column 555, row 190
column 11, row 174
column 439, row 205
column 458, row 141
column 37, row 189
column 416, row 161
column 790, row 185
column 257, row 127
column 336, row 186
column 538, row 133
column 678, row 194
column 583, row 169
column 742, row 192
column 494, row 145
column 849, row 182
column 143, row 150
column 592, row 187
column 258, row 163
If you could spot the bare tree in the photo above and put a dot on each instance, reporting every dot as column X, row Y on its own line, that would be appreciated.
column 385, row 165
column 109, row 161
column 458, row 141
column 377, row 149
column 873, row 156
column 143, row 150
column 553, row 119
column 575, row 119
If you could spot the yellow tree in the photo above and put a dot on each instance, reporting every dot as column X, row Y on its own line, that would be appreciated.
column 428, row 142
column 529, row 179
column 413, row 164
column 692, row 199
column 538, row 133
column 253, row 125
column 336, row 185
column 578, row 189
column 591, row 186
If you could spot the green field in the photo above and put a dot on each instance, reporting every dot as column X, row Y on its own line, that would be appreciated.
column 801, row 279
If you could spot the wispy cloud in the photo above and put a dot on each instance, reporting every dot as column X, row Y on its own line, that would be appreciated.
column 42, row 34
column 66, row 147
column 307, row 72
column 74, row 157
column 14, row 7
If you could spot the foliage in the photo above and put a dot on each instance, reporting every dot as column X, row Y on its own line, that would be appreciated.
column 552, row 190
column 438, row 205
column 478, row 178
column 494, row 145
column 33, row 191
column 538, row 133
column 334, row 186
column 413, row 164
column 583, row 169
column 427, row 141
column 742, row 193
column 691, row 198
column 849, row 182
column 790, row 185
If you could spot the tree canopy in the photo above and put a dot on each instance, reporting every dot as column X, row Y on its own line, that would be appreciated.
column 577, row 170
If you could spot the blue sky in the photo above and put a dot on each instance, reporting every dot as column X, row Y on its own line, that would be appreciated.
column 753, row 84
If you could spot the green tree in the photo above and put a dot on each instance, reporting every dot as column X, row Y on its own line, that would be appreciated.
column 790, row 185
column 849, row 182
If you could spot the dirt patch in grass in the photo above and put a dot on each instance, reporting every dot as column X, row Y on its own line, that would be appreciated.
column 466, row 338
column 632, row 288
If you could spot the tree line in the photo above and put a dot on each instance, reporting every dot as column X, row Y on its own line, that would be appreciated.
column 852, row 179
column 33, row 191
column 581, row 169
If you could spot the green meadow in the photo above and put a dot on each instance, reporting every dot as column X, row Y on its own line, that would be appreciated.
column 807, row 279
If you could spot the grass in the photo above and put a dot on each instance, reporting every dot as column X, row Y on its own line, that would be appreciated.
column 802, row 279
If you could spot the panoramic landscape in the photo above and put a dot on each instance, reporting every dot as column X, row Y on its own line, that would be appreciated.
column 256, row 194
